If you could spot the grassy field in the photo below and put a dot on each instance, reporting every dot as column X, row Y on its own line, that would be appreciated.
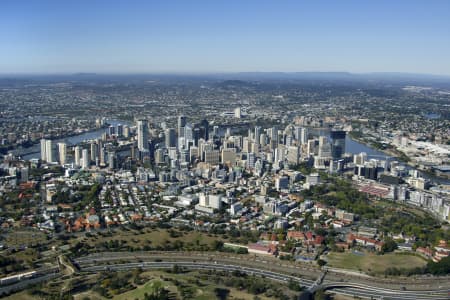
column 175, row 283
column 17, row 238
column 151, row 237
column 372, row 263
column 148, row 288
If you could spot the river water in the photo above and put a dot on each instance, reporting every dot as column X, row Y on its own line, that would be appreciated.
column 35, row 151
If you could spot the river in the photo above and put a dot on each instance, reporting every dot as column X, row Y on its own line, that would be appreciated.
column 35, row 150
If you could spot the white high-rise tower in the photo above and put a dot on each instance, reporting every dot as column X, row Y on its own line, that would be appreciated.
column 142, row 135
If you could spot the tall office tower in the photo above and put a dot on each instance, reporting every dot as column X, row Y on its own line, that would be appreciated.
column 263, row 139
column 304, row 135
column 94, row 151
column 293, row 155
column 337, row 143
column 324, row 147
column 171, row 138
column 193, row 153
column 188, row 135
column 181, row 125
column 126, row 131
column 246, row 145
column 257, row 133
column 237, row 113
column 43, row 149
column 297, row 133
column 62, row 151
column 101, row 157
column 111, row 160
column 142, row 135
column 196, row 134
column 49, row 150
column 273, row 134
column 251, row 159
column 288, row 142
column 204, row 129
column 111, row 130
column 119, row 130
column 280, row 153
column 77, row 156
column 216, row 130
column 85, row 159
column 311, row 147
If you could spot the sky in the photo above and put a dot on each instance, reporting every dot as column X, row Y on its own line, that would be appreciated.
column 203, row 36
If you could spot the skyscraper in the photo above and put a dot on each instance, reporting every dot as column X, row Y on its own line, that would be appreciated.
column 171, row 138
column 94, row 151
column 142, row 135
column 62, row 151
column 257, row 133
column 43, row 149
column 337, row 143
column 77, row 156
column 204, row 129
column 85, row 159
column 181, row 125
column 47, row 150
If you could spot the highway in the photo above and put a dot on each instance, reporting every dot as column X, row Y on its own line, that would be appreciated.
column 23, row 284
column 91, row 264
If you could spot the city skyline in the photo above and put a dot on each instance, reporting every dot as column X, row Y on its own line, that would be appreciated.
column 49, row 37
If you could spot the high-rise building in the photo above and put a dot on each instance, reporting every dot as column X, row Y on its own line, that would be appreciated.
column 43, row 149
column 251, row 159
column 142, row 135
column 77, row 156
column 204, row 129
column 216, row 130
column 47, row 150
column 303, row 135
column 257, row 133
column 94, row 151
column 181, row 125
column 337, row 143
column 111, row 160
column 62, row 152
column 119, row 130
column 85, row 159
column 237, row 112
column 293, row 155
column 212, row 157
column 324, row 147
column 188, row 135
column 171, row 138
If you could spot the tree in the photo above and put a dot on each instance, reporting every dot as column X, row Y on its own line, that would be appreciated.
column 389, row 245
column 221, row 293
column 321, row 262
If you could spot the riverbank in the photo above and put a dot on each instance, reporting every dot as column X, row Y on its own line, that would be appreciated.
column 395, row 154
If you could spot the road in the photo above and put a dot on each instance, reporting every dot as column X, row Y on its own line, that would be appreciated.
column 23, row 284
column 100, row 262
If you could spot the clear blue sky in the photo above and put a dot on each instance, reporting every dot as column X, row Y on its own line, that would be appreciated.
column 43, row 36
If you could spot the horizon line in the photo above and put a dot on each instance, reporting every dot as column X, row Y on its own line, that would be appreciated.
column 112, row 73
